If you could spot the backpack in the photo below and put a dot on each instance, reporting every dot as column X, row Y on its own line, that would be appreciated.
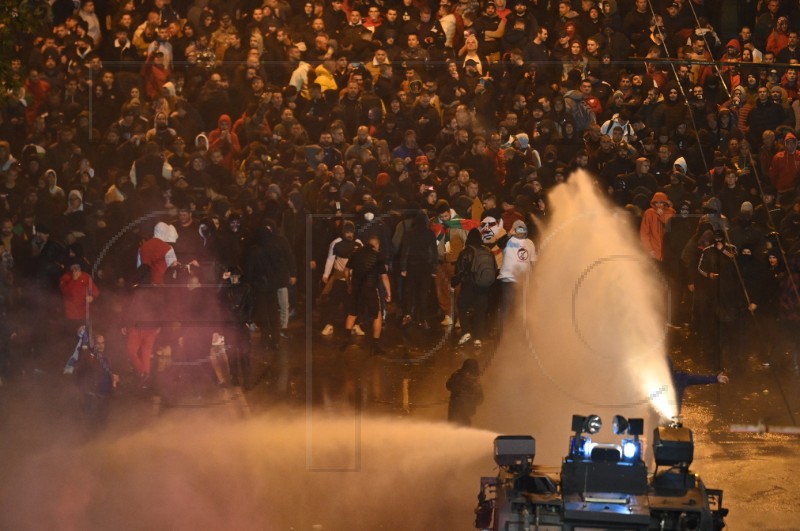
column 582, row 114
column 482, row 271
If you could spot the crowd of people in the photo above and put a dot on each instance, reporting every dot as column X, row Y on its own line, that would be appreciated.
column 389, row 155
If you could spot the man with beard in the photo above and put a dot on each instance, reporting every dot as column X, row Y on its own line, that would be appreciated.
column 457, row 149
column 538, row 52
column 331, row 155
column 490, row 29
column 520, row 13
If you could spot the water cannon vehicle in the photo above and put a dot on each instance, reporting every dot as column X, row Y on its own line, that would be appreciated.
column 600, row 485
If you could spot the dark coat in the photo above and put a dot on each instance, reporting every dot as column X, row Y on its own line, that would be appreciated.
column 419, row 245
column 763, row 116
column 269, row 263
column 725, row 292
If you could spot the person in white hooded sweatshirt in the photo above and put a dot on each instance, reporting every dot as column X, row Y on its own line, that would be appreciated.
column 519, row 256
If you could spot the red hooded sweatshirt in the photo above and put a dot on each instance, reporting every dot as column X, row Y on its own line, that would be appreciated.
column 785, row 167
column 225, row 140
column 653, row 227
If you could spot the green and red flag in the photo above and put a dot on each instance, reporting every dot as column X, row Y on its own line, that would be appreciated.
column 465, row 224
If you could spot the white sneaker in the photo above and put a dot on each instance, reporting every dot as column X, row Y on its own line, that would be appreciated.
column 447, row 321
column 357, row 331
column 477, row 343
column 466, row 337
column 328, row 330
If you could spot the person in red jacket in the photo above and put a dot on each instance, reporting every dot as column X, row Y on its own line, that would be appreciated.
column 785, row 167
column 654, row 223
column 157, row 253
column 224, row 139
column 155, row 73
column 78, row 292
column 144, row 315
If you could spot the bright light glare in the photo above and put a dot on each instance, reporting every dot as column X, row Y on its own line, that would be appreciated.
column 629, row 449
column 588, row 446
column 656, row 384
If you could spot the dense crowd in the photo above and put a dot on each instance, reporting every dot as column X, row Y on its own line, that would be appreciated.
column 371, row 148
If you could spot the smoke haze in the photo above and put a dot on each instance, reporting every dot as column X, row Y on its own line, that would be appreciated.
column 588, row 337
column 202, row 472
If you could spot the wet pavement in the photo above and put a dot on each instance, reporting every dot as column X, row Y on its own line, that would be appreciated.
column 757, row 471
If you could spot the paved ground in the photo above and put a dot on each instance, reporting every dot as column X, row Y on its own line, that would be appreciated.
column 366, row 432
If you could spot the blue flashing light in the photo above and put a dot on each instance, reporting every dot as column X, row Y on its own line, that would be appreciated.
column 578, row 445
column 587, row 448
column 631, row 449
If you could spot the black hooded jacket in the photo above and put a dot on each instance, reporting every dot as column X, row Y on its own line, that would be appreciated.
column 270, row 263
column 293, row 224
column 419, row 245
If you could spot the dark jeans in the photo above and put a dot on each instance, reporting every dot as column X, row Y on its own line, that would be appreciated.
column 331, row 302
column 237, row 347
column 418, row 286
column 266, row 315
column 508, row 296
column 473, row 302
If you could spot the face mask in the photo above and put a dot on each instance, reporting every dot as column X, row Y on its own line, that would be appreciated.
column 369, row 216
